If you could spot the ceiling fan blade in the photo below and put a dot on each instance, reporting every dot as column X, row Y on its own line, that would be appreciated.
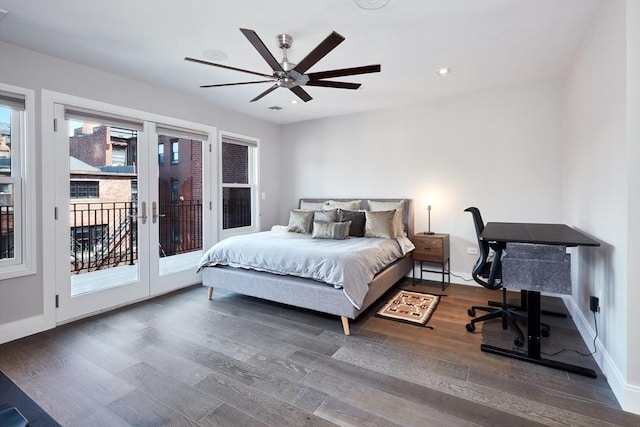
column 329, row 83
column 236, row 84
column 266, row 92
column 326, row 46
column 262, row 49
column 302, row 94
column 200, row 61
column 344, row 72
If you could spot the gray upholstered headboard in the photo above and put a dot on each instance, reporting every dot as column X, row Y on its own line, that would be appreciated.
column 407, row 208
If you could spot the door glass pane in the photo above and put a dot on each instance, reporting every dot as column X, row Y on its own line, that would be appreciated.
column 180, row 202
column 103, row 211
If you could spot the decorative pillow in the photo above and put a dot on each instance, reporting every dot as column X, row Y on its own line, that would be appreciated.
column 300, row 221
column 387, row 206
column 331, row 230
column 357, row 221
column 326, row 215
column 353, row 205
column 380, row 224
column 311, row 206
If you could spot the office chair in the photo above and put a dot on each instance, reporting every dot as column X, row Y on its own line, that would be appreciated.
column 488, row 273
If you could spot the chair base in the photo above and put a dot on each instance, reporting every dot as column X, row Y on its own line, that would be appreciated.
column 507, row 315
column 523, row 306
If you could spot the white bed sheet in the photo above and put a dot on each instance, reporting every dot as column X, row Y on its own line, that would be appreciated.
column 349, row 264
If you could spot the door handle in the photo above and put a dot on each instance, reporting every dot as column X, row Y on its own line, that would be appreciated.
column 154, row 212
column 143, row 208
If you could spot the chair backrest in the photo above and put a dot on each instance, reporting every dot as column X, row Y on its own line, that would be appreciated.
column 485, row 272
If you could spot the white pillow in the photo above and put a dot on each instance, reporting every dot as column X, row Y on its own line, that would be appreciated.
column 331, row 230
column 311, row 206
column 300, row 221
column 375, row 206
column 353, row 205
column 380, row 224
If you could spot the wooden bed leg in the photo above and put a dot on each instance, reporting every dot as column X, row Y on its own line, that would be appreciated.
column 345, row 325
column 210, row 293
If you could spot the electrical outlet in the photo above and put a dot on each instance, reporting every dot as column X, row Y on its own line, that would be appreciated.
column 594, row 304
column 471, row 250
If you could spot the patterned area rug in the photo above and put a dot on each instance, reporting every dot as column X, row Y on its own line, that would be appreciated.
column 410, row 306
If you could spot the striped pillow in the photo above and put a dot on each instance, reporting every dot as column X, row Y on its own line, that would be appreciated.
column 331, row 230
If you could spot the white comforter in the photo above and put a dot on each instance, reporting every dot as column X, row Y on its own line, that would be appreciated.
column 349, row 264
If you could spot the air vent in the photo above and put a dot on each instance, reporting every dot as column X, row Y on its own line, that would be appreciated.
column 274, row 108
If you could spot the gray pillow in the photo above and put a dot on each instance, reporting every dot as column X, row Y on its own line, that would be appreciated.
column 331, row 230
column 380, row 224
column 300, row 221
column 357, row 221
column 326, row 215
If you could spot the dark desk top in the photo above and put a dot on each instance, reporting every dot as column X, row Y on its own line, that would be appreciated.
column 545, row 234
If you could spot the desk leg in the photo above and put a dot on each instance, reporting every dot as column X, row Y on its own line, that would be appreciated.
column 523, row 306
column 533, row 341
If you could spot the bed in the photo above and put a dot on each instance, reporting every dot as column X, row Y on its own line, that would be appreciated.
column 333, row 294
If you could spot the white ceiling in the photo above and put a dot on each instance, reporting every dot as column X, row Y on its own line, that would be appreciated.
column 488, row 44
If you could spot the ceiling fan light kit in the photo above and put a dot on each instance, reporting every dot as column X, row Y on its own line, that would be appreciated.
column 293, row 76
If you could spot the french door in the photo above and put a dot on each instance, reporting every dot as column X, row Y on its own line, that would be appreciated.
column 131, row 216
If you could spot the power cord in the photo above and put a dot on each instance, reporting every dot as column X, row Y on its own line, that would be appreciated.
column 595, row 348
column 460, row 277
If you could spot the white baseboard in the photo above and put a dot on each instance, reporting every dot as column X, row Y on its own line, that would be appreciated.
column 24, row 327
column 628, row 395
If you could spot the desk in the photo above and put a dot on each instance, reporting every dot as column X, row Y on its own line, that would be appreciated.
column 544, row 234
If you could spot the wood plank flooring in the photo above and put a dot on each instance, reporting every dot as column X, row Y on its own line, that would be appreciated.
column 181, row 360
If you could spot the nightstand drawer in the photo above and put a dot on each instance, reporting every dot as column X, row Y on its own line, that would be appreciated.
column 430, row 246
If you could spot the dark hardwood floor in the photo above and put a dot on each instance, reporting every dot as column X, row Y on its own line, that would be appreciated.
column 237, row 361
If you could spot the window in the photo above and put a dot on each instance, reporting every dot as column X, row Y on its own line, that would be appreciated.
column 174, row 151
column 239, row 186
column 17, row 188
column 174, row 223
column 161, row 153
column 84, row 190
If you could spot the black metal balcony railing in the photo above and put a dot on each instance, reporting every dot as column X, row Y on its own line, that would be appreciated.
column 180, row 227
column 6, row 232
column 104, row 235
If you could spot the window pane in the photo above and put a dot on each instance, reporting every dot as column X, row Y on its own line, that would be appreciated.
column 235, row 163
column 5, row 141
column 236, row 207
column 160, row 153
column 174, row 152
column 7, row 243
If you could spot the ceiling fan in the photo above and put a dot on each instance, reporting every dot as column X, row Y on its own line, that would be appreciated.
column 294, row 76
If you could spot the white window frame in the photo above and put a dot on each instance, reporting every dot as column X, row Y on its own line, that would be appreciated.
column 253, row 144
column 23, row 179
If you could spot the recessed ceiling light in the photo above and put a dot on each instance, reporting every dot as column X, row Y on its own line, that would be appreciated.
column 444, row 71
column 294, row 101
column 215, row 55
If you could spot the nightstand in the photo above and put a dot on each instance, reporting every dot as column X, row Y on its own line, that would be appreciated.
column 433, row 249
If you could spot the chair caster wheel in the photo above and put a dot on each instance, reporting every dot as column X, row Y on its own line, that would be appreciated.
column 518, row 342
column 545, row 332
column 471, row 312
column 470, row 327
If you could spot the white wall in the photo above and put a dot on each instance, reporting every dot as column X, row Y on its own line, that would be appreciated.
column 22, row 298
column 601, row 190
column 499, row 151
